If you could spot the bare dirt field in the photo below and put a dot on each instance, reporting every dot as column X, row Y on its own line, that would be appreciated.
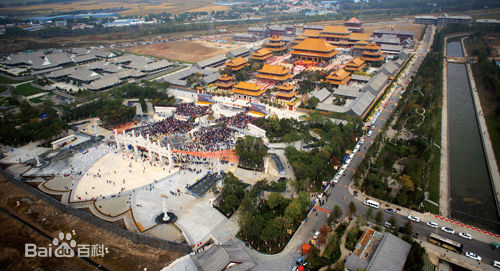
column 131, row 7
column 187, row 51
column 418, row 29
column 123, row 254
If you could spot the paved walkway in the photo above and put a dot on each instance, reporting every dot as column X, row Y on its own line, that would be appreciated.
column 444, row 177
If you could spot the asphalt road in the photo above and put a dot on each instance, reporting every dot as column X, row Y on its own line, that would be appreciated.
column 340, row 195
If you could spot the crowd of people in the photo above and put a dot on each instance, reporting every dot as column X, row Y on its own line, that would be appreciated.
column 240, row 120
column 169, row 125
column 190, row 110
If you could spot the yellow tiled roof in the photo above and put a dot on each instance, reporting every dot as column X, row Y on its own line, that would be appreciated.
column 286, row 86
column 338, row 75
column 335, row 29
column 261, row 52
column 274, row 69
column 248, row 86
column 236, row 62
column 314, row 44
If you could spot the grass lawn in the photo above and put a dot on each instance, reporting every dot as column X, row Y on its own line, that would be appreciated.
column 27, row 90
column 5, row 80
column 36, row 100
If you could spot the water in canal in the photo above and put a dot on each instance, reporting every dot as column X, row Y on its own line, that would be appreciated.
column 471, row 193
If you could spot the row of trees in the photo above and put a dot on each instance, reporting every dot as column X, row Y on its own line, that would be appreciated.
column 251, row 152
column 31, row 123
column 268, row 224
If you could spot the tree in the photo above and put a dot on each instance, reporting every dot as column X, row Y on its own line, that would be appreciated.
column 294, row 211
column 352, row 209
column 336, row 214
column 379, row 216
column 393, row 221
column 369, row 213
column 313, row 102
column 275, row 200
column 407, row 227
column 407, row 183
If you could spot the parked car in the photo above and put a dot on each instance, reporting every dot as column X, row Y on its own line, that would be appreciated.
column 414, row 218
column 473, row 256
column 448, row 230
column 390, row 211
column 388, row 225
column 465, row 235
column 369, row 133
column 316, row 235
column 496, row 264
column 432, row 224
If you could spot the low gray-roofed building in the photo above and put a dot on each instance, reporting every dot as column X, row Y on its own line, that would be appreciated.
column 287, row 39
column 360, row 78
column 391, row 49
column 328, row 107
column 61, row 73
column 350, row 92
column 210, row 78
column 129, row 73
column 376, row 83
column 102, row 53
column 84, row 75
column 313, row 27
column 156, row 66
column 403, row 55
column 23, row 58
column 229, row 256
column 78, row 59
column 179, row 77
column 239, row 52
column 80, row 51
column 215, row 61
column 387, row 39
column 390, row 255
column 98, row 65
column 321, row 94
column 112, row 68
column 361, row 104
column 131, row 58
column 399, row 62
column 103, row 83
column 51, row 60
column 389, row 68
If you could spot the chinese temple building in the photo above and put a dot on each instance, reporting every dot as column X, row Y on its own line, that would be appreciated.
column 237, row 64
column 274, row 73
column 224, row 82
column 339, row 77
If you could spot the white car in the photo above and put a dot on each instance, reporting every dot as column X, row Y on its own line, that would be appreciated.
column 432, row 224
column 465, row 235
column 448, row 230
column 473, row 256
column 348, row 161
column 496, row 264
column 361, row 142
column 369, row 133
column 336, row 179
column 316, row 235
column 414, row 218
column 351, row 155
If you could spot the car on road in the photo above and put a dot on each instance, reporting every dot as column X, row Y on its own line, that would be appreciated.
column 336, row 179
column 465, row 235
column 432, row 224
column 473, row 256
column 348, row 161
column 361, row 142
column 369, row 133
column 316, row 235
column 496, row 264
column 495, row 245
column 414, row 218
column 388, row 225
column 448, row 230
column 390, row 211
